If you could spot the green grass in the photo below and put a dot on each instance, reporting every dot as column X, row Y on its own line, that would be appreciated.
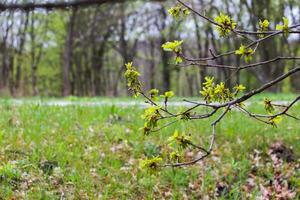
column 49, row 152
column 259, row 97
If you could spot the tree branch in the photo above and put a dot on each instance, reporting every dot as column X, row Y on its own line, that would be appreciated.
column 242, row 66
column 62, row 5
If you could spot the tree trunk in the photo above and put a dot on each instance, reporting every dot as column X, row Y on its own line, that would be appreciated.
column 20, row 51
column 68, row 55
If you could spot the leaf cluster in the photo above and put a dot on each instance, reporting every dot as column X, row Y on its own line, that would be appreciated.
column 245, row 52
column 284, row 27
column 175, row 47
column 225, row 24
column 178, row 11
column 213, row 92
column 151, row 115
column 132, row 77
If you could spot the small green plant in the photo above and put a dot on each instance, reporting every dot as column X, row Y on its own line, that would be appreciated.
column 9, row 173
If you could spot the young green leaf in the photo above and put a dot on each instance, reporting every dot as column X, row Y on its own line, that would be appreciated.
column 245, row 52
column 284, row 27
column 226, row 24
column 174, row 46
column 150, row 164
column 132, row 77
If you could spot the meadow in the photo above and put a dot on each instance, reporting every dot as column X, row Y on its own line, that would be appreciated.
column 93, row 152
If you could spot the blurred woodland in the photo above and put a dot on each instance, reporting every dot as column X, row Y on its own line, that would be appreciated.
column 81, row 51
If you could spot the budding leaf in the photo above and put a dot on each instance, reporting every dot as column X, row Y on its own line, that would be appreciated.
column 174, row 46
column 268, row 105
column 245, row 52
column 132, row 77
column 175, row 156
column 151, row 164
column 275, row 120
column 178, row 11
column 178, row 60
column 284, row 27
column 264, row 25
column 186, row 12
column 226, row 24
column 239, row 88
column 151, row 115
column 181, row 140
column 215, row 92
column 169, row 94
column 154, row 94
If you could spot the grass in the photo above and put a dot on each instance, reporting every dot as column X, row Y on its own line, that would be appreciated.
column 74, row 152
column 259, row 97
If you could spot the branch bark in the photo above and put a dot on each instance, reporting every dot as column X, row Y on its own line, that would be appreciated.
column 62, row 5
column 54, row 5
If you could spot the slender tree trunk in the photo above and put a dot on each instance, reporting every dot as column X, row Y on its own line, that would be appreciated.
column 165, row 71
column 199, row 48
column 36, row 54
column 164, row 55
column 20, row 51
column 33, row 56
column 152, row 64
column 68, row 55
column 5, row 55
